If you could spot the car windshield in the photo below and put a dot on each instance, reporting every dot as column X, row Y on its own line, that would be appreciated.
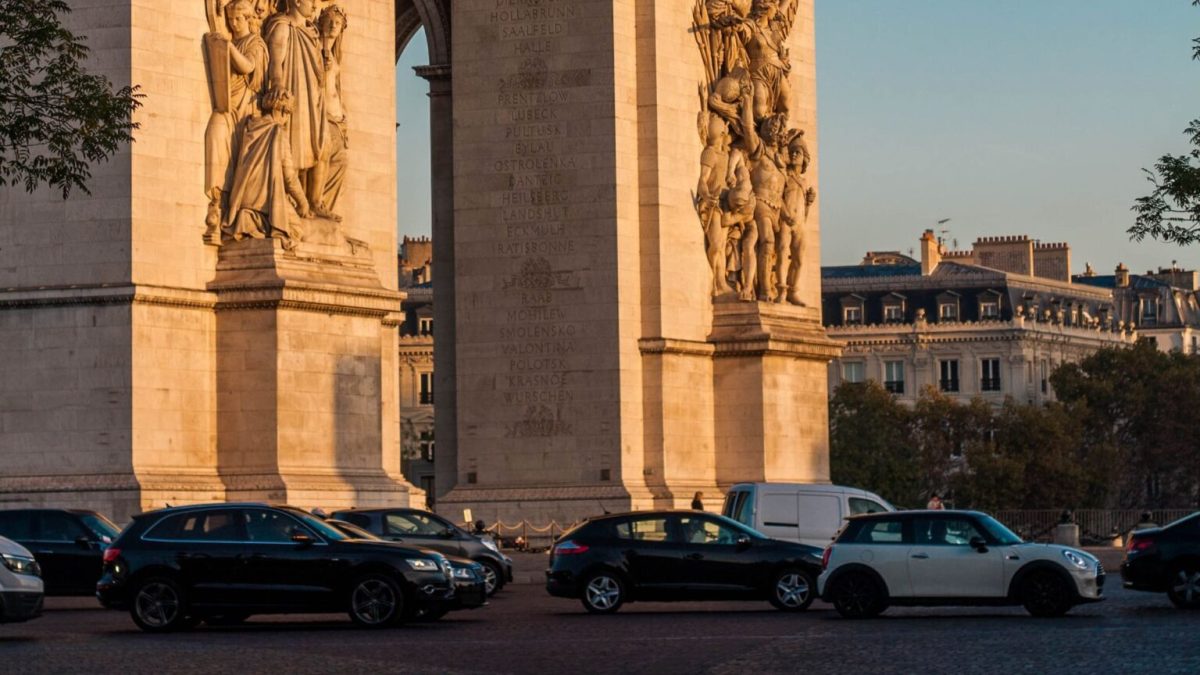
column 352, row 530
column 101, row 526
column 326, row 530
column 755, row 534
column 999, row 532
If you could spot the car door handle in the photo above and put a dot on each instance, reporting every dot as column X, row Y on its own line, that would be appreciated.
column 251, row 556
column 1012, row 557
column 191, row 556
column 921, row 556
column 694, row 556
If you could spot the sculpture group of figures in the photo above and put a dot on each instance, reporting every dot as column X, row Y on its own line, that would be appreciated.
column 275, row 146
column 753, row 197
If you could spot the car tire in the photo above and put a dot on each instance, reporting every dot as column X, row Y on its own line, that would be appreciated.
column 856, row 595
column 792, row 589
column 1183, row 587
column 493, row 576
column 602, row 592
column 375, row 601
column 232, row 619
column 1046, row 594
column 158, row 605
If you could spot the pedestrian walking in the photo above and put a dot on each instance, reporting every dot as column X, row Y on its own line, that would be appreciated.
column 935, row 503
column 698, row 502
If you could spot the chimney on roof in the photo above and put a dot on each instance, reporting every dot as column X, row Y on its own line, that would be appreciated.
column 1122, row 276
column 931, row 253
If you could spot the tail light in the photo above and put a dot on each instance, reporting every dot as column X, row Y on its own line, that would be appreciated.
column 825, row 558
column 569, row 547
column 1140, row 545
column 111, row 554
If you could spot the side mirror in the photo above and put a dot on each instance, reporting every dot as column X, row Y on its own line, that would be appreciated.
column 301, row 538
column 83, row 542
column 743, row 542
column 979, row 544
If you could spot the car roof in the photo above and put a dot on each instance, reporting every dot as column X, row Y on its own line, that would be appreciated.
column 882, row 515
column 211, row 505
column 656, row 512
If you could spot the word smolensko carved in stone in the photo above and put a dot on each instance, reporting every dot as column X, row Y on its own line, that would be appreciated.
column 277, row 141
column 752, row 197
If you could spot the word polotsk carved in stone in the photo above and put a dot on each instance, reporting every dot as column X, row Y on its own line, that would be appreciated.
column 276, row 144
column 753, row 198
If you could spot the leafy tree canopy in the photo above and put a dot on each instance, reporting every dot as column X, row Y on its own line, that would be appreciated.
column 56, row 119
column 1171, row 213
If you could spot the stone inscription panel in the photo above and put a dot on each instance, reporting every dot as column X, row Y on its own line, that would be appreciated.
column 534, row 217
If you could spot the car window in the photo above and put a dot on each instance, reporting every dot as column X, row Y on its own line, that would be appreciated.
column 413, row 523
column 945, row 531
column 359, row 519
column 16, row 525
column 56, row 526
column 700, row 530
column 858, row 505
column 880, row 532
column 643, row 529
column 743, row 508
column 102, row 527
column 271, row 526
column 215, row 525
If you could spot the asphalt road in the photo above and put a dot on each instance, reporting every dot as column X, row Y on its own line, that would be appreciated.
column 525, row 631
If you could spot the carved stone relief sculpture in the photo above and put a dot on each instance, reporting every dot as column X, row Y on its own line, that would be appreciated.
column 753, row 197
column 276, row 142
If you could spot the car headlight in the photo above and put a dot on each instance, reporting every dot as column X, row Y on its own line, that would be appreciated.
column 423, row 564
column 463, row 573
column 1075, row 559
column 19, row 564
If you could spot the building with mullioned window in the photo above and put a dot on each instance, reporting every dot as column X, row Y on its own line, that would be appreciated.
column 1163, row 305
column 417, row 446
column 993, row 321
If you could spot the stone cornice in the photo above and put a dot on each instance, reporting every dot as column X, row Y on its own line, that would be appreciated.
column 673, row 346
column 319, row 298
column 104, row 294
column 815, row 349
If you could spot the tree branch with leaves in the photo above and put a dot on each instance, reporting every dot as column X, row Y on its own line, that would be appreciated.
column 56, row 119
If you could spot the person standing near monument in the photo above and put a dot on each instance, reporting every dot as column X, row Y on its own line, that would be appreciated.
column 298, row 68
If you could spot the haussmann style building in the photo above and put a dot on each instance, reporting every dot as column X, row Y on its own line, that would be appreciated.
column 993, row 321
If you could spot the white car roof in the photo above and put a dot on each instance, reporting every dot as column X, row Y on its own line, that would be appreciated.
column 808, row 487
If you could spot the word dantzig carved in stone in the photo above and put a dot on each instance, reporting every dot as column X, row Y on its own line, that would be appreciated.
column 753, row 197
column 276, row 143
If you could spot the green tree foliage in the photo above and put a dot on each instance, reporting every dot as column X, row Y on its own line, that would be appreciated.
column 1139, row 410
column 56, row 119
column 1122, row 435
column 869, row 443
column 1171, row 212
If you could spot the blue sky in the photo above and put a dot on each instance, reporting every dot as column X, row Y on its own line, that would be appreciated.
column 1006, row 116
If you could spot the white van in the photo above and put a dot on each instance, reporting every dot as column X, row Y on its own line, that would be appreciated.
column 806, row 513
column 20, row 583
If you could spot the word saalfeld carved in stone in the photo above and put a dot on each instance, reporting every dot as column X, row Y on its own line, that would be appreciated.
column 753, row 197
column 276, row 143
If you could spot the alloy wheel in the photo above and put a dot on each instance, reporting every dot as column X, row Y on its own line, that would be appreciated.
column 792, row 590
column 1185, row 588
column 603, row 593
column 373, row 602
column 157, row 604
column 491, row 579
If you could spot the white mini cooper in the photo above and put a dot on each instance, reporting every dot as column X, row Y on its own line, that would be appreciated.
column 951, row 558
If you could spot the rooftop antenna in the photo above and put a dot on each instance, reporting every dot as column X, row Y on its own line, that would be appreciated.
column 943, row 231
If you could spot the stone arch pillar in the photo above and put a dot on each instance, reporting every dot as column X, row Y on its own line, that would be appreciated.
column 434, row 17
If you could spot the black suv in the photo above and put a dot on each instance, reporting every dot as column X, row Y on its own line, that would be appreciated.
column 224, row 562
column 429, row 530
column 67, row 543
column 1166, row 559
column 678, row 555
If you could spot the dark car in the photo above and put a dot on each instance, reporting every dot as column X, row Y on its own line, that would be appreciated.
column 429, row 530
column 1166, row 560
column 470, row 589
column 678, row 555
column 224, row 562
column 68, row 544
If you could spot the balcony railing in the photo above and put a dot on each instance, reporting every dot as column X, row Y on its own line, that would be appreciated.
column 990, row 384
column 894, row 386
column 948, row 385
column 427, row 398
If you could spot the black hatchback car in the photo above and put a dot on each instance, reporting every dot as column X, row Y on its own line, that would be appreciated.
column 1166, row 559
column 68, row 544
column 429, row 530
column 222, row 563
column 678, row 555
